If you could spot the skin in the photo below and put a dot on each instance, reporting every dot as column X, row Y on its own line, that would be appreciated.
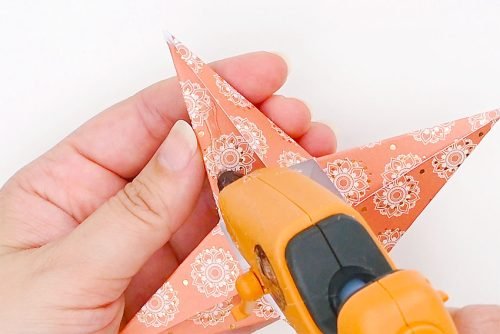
column 91, row 229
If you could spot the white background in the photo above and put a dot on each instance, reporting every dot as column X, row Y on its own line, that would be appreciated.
column 371, row 69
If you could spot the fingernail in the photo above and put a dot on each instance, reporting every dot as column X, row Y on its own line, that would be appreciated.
column 179, row 148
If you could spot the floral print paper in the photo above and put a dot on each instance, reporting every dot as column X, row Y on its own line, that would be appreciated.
column 389, row 182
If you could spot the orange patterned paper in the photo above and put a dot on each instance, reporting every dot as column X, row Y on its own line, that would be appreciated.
column 389, row 182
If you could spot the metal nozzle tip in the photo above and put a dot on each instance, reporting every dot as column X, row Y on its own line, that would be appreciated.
column 226, row 178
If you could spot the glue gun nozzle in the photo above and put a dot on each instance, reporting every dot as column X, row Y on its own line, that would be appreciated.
column 226, row 178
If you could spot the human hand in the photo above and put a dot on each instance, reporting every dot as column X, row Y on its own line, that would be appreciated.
column 86, row 233
column 477, row 319
column 92, row 228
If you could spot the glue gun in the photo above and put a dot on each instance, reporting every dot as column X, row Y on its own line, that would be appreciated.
column 319, row 261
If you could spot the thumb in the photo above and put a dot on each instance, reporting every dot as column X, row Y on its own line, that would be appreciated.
column 119, row 237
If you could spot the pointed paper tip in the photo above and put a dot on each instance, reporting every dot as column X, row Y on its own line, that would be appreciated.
column 169, row 38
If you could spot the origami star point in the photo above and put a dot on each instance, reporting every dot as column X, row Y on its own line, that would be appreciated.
column 389, row 182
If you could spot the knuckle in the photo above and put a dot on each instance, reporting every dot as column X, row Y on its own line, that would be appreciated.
column 138, row 199
column 46, row 259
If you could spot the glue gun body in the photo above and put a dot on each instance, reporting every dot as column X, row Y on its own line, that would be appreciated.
column 318, row 259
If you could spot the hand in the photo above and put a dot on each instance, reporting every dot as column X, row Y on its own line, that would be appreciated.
column 477, row 319
column 87, row 225
column 92, row 228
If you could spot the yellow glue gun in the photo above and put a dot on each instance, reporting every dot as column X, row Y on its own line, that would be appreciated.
column 317, row 258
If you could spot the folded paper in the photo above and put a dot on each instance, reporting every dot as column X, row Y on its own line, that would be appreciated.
column 389, row 182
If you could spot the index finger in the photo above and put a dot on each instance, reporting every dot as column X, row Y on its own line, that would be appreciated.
column 125, row 136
